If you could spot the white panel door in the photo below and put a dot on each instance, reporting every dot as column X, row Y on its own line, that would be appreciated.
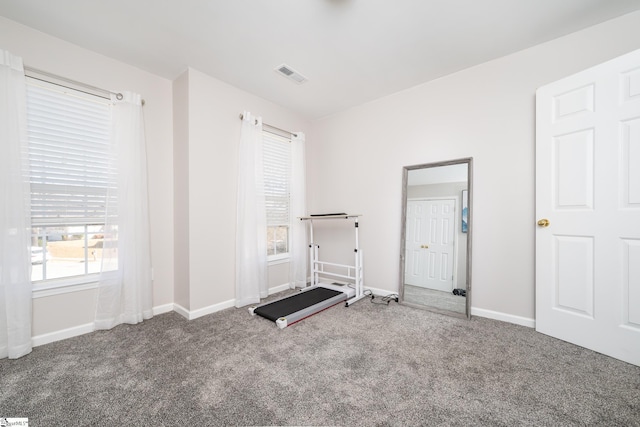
column 429, row 257
column 588, row 188
column 440, row 242
column 415, row 240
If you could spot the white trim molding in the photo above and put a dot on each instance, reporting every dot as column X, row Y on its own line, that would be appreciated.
column 161, row 309
column 279, row 288
column 62, row 334
column 87, row 328
column 181, row 310
column 480, row 312
column 504, row 317
column 194, row 314
column 62, row 288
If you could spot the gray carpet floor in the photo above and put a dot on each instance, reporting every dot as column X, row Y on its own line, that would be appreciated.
column 369, row 364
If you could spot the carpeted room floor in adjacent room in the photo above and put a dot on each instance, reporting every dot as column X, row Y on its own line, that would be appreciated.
column 366, row 365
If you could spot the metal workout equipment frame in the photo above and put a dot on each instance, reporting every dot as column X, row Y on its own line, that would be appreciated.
column 354, row 272
column 319, row 296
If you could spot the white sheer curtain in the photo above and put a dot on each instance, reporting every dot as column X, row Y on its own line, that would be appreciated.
column 125, row 287
column 298, row 208
column 251, row 217
column 15, row 219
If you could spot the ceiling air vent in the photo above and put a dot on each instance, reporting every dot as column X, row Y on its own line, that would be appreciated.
column 288, row 72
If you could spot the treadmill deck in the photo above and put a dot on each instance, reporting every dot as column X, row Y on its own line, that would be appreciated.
column 293, row 308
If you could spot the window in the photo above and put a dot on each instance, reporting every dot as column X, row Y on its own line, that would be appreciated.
column 277, row 168
column 70, row 177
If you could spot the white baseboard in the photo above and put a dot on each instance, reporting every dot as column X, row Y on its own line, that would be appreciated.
column 181, row 310
column 504, row 317
column 194, row 314
column 480, row 312
column 161, row 309
column 87, row 328
column 62, row 334
column 279, row 288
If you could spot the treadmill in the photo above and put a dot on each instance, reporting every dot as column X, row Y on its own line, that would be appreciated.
column 309, row 301
column 320, row 296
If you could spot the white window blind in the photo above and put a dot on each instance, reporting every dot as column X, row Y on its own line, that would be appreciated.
column 277, row 168
column 68, row 133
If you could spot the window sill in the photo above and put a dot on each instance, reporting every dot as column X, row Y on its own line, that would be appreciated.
column 278, row 259
column 65, row 286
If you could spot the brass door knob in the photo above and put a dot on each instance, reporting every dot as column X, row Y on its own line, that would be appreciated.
column 543, row 222
column 424, row 246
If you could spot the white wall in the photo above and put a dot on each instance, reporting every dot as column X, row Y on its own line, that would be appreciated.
column 73, row 310
column 355, row 160
column 213, row 136
column 181, row 189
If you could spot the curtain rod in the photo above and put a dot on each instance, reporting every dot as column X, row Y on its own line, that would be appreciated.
column 273, row 128
column 47, row 77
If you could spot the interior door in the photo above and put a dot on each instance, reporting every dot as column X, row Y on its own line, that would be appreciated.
column 588, row 208
column 430, row 244
column 440, row 242
column 416, row 239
